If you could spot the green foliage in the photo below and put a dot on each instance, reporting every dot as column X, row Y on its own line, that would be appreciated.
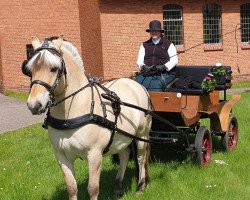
column 28, row 170
column 208, row 84
column 219, row 71
column 21, row 96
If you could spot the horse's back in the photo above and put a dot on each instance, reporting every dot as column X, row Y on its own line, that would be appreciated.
column 129, row 91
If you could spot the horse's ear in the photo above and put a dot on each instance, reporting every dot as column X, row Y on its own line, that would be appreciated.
column 59, row 42
column 35, row 42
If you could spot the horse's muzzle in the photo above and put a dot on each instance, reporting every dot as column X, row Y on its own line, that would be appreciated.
column 37, row 108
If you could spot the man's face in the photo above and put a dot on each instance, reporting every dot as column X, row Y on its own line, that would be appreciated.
column 155, row 34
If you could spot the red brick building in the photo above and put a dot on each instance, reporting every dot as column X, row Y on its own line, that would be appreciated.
column 108, row 33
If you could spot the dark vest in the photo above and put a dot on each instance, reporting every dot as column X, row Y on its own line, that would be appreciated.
column 156, row 54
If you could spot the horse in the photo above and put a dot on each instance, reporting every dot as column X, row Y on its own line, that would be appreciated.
column 57, row 73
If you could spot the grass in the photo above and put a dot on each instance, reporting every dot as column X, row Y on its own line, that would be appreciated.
column 20, row 96
column 244, row 84
column 28, row 170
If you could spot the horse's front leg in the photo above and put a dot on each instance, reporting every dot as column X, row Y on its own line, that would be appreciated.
column 94, row 164
column 68, row 170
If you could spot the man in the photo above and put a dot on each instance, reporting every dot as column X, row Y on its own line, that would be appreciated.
column 158, row 51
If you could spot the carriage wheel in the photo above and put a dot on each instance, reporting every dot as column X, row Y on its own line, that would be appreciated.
column 203, row 146
column 230, row 139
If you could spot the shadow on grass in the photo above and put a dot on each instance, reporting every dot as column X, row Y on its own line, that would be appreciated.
column 178, row 154
column 107, row 181
column 159, row 153
column 167, row 153
column 217, row 144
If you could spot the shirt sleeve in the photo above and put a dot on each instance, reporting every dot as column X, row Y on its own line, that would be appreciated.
column 140, row 59
column 172, row 52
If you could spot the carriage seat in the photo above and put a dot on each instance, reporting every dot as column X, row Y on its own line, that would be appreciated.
column 198, row 73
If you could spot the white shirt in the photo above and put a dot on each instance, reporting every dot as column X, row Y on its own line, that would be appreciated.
column 172, row 52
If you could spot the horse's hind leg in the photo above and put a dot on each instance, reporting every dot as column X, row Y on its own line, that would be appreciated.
column 142, row 157
column 124, row 157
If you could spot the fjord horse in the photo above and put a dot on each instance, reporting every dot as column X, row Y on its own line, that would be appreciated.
column 57, row 71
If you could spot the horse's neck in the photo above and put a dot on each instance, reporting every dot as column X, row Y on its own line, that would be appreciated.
column 79, row 104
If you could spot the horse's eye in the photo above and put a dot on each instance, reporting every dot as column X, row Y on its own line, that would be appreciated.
column 53, row 69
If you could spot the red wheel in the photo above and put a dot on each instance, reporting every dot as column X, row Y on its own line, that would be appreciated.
column 230, row 139
column 203, row 146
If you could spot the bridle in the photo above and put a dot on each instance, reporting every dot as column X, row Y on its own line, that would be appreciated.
column 50, row 89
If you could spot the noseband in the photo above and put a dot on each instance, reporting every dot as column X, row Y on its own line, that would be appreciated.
column 51, row 89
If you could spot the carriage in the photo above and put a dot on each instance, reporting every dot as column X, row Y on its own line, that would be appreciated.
column 183, row 108
column 89, row 120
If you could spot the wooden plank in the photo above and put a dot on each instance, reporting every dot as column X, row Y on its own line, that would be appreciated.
column 166, row 101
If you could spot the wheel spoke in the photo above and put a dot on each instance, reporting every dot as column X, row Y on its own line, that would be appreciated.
column 230, row 140
column 204, row 142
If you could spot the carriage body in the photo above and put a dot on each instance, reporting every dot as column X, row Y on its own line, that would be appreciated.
column 185, row 107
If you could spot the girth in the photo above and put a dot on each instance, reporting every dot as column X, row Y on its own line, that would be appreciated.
column 82, row 121
column 79, row 122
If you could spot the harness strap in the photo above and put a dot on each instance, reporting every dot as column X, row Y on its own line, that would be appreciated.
column 79, row 121
column 93, row 119
column 39, row 82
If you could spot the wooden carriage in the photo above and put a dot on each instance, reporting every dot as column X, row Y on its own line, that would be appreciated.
column 183, row 108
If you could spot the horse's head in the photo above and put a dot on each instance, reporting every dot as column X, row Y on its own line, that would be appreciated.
column 46, row 69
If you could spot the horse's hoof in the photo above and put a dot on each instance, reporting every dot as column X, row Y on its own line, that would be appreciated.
column 119, row 191
column 139, row 192
column 141, row 187
column 119, row 194
column 118, row 188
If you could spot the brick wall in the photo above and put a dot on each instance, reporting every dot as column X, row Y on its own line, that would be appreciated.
column 1, row 75
column 109, row 33
column 123, row 25
column 91, row 40
column 19, row 20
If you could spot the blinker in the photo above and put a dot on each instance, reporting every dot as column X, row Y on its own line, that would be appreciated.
column 26, row 71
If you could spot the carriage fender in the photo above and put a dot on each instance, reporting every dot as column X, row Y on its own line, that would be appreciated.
column 226, row 110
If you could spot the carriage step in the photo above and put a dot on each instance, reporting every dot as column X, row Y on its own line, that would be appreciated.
column 164, row 139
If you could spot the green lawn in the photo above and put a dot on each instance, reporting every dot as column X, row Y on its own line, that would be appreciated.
column 28, row 170
column 245, row 84
column 21, row 96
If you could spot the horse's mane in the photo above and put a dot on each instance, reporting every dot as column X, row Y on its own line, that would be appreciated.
column 73, row 51
column 49, row 59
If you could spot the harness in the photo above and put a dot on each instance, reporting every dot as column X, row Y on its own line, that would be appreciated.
column 90, row 118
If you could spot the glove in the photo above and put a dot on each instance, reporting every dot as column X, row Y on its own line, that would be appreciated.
column 160, row 68
column 145, row 68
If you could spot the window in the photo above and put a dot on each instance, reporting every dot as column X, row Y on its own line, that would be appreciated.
column 245, row 22
column 212, row 24
column 172, row 23
column 29, row 51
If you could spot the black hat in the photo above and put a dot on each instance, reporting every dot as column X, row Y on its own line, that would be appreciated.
column 154, row 25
